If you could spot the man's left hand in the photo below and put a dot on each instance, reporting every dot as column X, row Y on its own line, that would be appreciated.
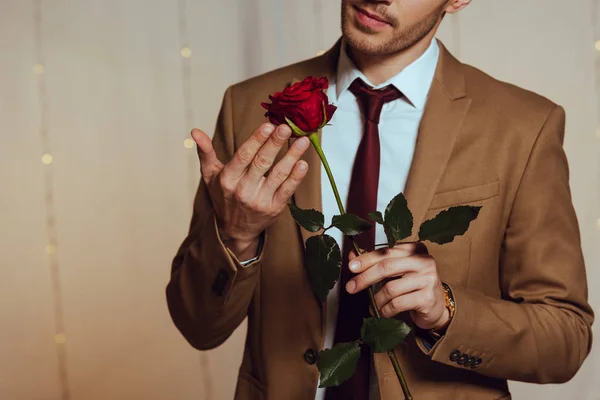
column 412, row 283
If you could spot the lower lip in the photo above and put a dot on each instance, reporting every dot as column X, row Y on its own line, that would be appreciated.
column 369, row 22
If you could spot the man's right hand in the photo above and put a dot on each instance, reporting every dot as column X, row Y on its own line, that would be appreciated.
column 245, row 201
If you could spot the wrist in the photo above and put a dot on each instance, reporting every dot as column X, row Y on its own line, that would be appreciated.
column 448, row 314
column 243, row 249
column 243, row 246
column 443, row 322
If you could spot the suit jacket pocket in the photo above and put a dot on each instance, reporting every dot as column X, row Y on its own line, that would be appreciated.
column 454, row 258
column 249, row 388
column 465, row 195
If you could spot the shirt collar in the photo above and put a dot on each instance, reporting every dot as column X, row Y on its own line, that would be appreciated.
column 414, row 81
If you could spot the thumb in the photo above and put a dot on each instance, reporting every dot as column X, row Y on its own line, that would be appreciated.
column 209, row 163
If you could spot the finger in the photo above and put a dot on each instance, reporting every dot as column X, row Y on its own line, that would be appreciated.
column 242, row 158
column 417, row 247
column 289, row 186
column 399, row 287
column 264, row 158
column 367, row 260
column 407, row 302
column 386, row 268
column 351, row 255
column 209, row 163
column 284, row 167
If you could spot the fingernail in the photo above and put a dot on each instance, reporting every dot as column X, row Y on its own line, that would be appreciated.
column 302, row 143
column 354, row 265
column 302, row 167
column 350, row 286
column 284, row 131
column 268, row 129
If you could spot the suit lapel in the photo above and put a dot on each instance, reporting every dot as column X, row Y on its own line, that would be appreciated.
column 447, row 106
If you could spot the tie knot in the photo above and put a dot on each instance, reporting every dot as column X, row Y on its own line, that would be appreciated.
column 372, row 100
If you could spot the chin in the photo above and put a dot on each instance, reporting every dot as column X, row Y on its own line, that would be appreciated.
column 373, row 43
column 366, row 43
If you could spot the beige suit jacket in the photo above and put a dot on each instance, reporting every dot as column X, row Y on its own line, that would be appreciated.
column 517, row 275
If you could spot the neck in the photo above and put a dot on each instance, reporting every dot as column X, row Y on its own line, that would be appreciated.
column 380, row 68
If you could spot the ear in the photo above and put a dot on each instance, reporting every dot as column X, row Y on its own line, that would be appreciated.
column 455, row 6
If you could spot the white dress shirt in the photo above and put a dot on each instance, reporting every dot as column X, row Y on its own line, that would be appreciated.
column 398, row 129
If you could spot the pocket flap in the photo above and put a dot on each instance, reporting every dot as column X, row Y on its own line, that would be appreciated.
column 469, row 194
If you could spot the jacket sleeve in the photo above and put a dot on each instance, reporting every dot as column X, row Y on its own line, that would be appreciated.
column 209, row 291
column 540, row 331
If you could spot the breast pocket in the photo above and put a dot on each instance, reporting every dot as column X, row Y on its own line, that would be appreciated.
column 453, row 259
column 472, row 195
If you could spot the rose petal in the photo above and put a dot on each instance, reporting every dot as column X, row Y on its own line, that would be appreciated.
column 330, row 109
column 302, row 103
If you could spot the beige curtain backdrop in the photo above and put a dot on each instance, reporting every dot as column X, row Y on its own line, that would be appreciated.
column 110, row 89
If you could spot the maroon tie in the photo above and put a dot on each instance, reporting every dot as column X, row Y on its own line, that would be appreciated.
column 362, row 199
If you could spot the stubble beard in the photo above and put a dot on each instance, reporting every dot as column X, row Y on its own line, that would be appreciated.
column 403, row 38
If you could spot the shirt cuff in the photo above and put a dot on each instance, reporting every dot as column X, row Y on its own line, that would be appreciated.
column 261, row 241
column 425, row 338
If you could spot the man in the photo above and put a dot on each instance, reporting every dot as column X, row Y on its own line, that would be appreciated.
column 507, row 300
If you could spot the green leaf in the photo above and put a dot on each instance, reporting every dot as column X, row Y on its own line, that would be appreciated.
column 323, row 264
column 351, row 224
column 448, row 224
column 297, row 131
column 338, row 364
column 311, row 220
column 376, row 216
column 383, row 334
column 398, row 220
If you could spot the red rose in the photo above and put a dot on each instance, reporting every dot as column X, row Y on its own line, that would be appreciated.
column 304, row 103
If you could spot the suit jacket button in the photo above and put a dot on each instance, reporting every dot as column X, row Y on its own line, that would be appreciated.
column 455, row 355
column 310, row 356
column 218, row 286
column 476, row 363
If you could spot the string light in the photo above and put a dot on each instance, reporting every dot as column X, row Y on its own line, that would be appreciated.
column 598, row 45
column 320, row 52
column 192, row 158
column 60, row 338
column 598, row 133
column 50, row 249
column 598, row 223
column 47, row 159
column 189, row 143
column 186, row 52
column 51, row 231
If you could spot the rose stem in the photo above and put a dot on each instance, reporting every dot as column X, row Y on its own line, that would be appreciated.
column 314, row 139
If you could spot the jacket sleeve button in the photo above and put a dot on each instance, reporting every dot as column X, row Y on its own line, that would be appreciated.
column 310, row 356
column 476, row 363
column 470, row 361
column 462, row 359
column 455, row 355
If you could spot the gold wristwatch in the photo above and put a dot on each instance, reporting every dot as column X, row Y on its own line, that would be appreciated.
column 449, row 302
